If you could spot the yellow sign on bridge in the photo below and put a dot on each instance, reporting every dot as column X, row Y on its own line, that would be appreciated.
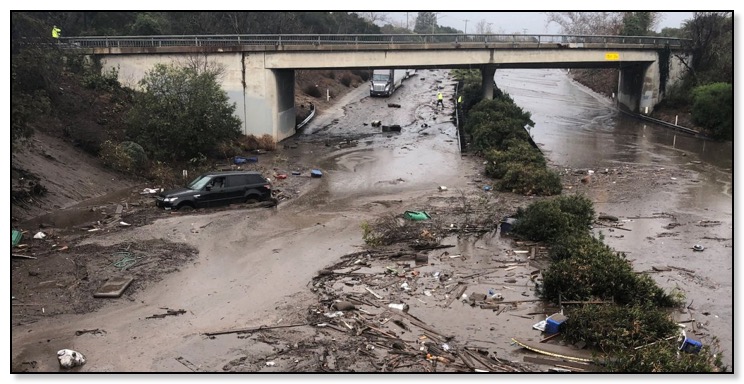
column 612, row 56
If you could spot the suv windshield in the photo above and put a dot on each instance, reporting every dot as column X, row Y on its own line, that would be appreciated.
column 199, row 183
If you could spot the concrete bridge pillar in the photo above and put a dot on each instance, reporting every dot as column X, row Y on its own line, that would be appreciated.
column 638, row 87
column 269, row 98
column 487, row 72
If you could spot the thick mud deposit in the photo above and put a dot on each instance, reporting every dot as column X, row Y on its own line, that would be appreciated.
column 260, row 295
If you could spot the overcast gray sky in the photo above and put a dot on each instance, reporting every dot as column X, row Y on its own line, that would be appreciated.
column 521, row 22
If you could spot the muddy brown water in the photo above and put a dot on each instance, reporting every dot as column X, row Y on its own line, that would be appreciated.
column 254, row 265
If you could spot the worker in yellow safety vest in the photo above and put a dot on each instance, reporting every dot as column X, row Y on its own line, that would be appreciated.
column 459, row 100
column 55, row 32
column 440, row 100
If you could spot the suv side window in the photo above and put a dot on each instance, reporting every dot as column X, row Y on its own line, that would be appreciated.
column 235, row 181
column 255, row 179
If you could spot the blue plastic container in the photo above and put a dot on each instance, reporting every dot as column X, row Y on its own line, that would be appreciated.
column 690, row 345
column 553, row 323
column 316, row 173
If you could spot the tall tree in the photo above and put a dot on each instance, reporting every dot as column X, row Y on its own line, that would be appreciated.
column 639, row 23
column 587, row 23
column 426, row 22
column 483, row 27
column 711, row 46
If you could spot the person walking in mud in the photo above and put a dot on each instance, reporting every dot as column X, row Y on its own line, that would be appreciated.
column 56, row 32
column 440, row 100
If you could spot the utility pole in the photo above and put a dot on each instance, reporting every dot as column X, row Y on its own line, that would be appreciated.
column 406, row 20
column 466, row 26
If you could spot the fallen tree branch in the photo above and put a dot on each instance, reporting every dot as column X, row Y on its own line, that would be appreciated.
column 253, row 329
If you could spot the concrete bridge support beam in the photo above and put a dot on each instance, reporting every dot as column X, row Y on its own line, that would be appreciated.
column 638, row 87
column 487, row 72
column 269, row 98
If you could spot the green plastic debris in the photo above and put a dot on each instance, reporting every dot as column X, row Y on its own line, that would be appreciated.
column 15, row 237
column 416, row 215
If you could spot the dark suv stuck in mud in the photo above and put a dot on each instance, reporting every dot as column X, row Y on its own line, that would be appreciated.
column 217, row 188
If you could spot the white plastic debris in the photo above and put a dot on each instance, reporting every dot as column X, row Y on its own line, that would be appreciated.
column 446, row 347
column 464, row 297
column 540, row 326
column 270, row 363
column 405, row 286
column 334, row 314
column 401, row 307
column 427, row 293
column 149, row 191
column 442, row 188
column 124, row 224
column 39, row 235
column 69, row 358
column 590, row 172
column 698, row 247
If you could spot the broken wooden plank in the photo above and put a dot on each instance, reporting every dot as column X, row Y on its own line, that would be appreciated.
column 188, row 364
column 550, row 337
column 253, row 329
column 456, row 296
column 21, row 256
column 661, row 268
column 555, row 362
column 555, row 350
column 587, row 302
column 373, row 293
column 681, row 269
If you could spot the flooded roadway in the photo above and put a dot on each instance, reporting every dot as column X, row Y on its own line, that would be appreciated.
column 254, row 266
column 577, row 128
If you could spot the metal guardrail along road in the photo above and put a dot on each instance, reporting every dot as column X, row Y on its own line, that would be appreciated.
column 574, row 41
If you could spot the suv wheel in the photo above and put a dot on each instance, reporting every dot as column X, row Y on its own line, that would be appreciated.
column 185, row 207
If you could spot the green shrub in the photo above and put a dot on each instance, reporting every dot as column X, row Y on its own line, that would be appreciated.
column 547, row 220
column 580, row 243
column 104, row 81
column 664, row 357
column 712, row 109
column 312, row 90
column 612, row 328
column 126, row 156
column 346, row 80
column 517, row 151
column 530, row 180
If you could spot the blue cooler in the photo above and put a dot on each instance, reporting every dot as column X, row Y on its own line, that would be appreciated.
column 690, row 346
column 553, row 323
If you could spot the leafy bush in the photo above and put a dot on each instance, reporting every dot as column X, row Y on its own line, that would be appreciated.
column 180, row 113
column 364, row 75
column 600, row 273
column 312, row 90
column 104, row 81
column 612, row 328
column 664, row 357
column 547, row 220
column 126, row 156
column 520, row 152
column 713, row 109
column 492, row 122
column 346, row 80
column 581, row 244
column 530, row 180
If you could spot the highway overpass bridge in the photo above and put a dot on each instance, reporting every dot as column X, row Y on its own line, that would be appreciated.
column 259, row 70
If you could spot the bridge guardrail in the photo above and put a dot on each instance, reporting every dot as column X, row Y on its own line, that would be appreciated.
column 574, row 41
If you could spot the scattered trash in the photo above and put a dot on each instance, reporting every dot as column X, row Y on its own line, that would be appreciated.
column 270, row 363
column 343, row 306
column 169, row 312
column 296, row 173
column 113, row 287
column 69, row 358
column 149, row 191
column 442, row 188
column 124, row 224
column 445, row 347
column 39, row 235
column 607, row 217
column 427, row 293
column 393, row 105
column 401, row 307
column 405, row 286
column 698, row 248
column 416, row 215
column 281, row 176
column 94, row 229
column 487, row 188
column 540, row 325
column 376, row 123
column 333, row 314
column 15, row 237
column 590, row 172
column 391, row 128
column 507, row 224
column 674, row 178
column 316, row 173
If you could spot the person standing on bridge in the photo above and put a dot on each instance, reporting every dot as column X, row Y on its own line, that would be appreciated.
column 440, row 100
column 56, row 32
